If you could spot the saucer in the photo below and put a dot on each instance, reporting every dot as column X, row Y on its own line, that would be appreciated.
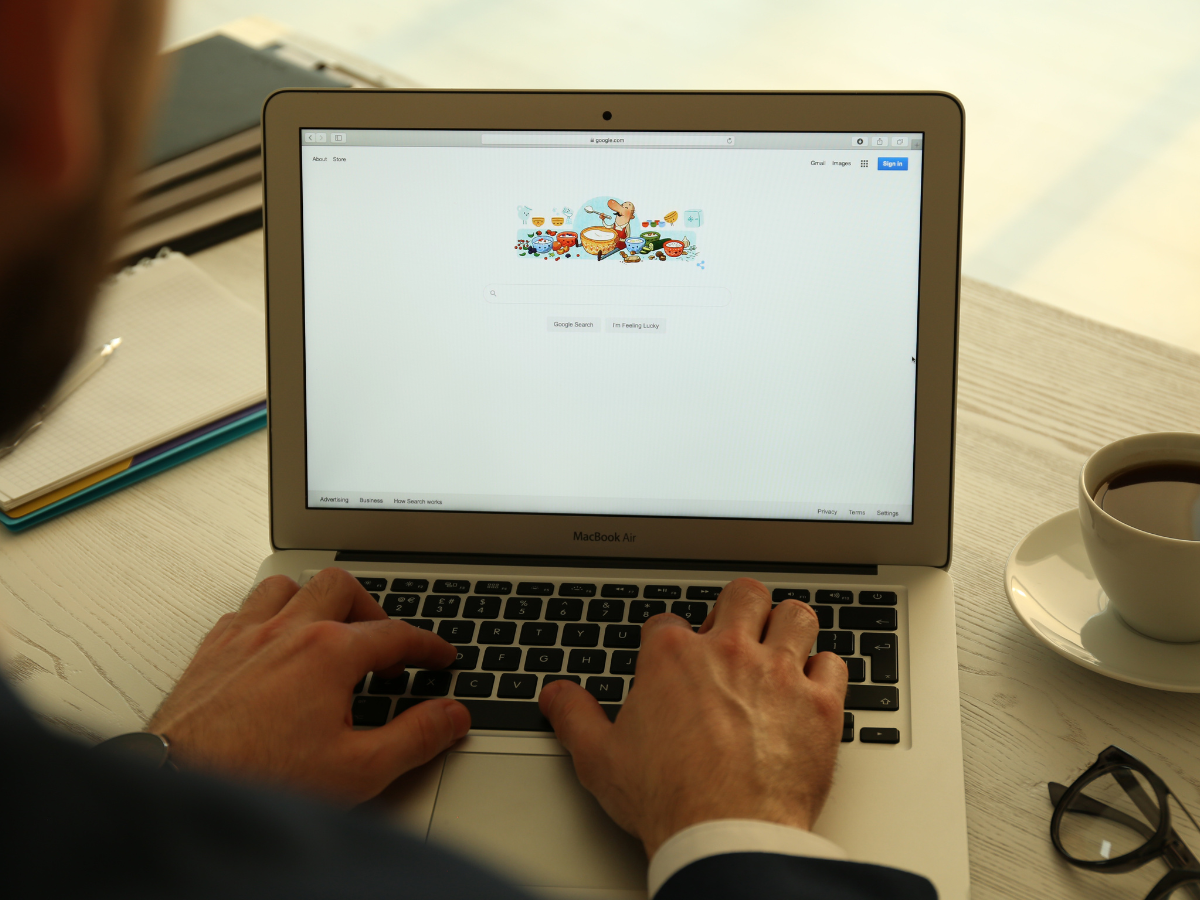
column 1052, row 589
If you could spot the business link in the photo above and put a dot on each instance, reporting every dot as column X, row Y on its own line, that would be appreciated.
column 602, row 536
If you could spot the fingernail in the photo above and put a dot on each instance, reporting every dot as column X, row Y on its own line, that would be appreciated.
column 459, row 718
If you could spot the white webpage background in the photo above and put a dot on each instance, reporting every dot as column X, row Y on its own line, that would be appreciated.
column 798, row 393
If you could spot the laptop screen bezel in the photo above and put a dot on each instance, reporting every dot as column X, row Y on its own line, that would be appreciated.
column 924, row 541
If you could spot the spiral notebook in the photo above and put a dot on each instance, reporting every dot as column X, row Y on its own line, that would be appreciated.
column 192, row 355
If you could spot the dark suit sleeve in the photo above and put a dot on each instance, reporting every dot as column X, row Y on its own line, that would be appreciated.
column 774, row 876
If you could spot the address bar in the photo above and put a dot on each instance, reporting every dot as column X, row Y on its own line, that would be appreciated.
column 607, row 139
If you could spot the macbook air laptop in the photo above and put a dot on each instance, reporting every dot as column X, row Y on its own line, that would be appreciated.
column 546, row 364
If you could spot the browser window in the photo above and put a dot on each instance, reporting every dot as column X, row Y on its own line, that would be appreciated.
column 660, row 324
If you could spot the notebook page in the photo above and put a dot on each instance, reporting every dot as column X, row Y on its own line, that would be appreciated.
column 190, row 353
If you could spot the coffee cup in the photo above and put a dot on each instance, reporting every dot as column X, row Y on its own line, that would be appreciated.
column 1151, row 580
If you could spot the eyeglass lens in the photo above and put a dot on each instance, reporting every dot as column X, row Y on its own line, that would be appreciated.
column 1114, row 813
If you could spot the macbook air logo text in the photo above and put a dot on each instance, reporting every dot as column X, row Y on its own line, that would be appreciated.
column 615, row 536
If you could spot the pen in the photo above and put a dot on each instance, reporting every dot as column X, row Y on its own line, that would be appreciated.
column 68, row 387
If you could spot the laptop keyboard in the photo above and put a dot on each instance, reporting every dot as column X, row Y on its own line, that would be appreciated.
column 514, row 637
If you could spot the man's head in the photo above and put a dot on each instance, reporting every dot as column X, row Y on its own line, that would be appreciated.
column 78, row 80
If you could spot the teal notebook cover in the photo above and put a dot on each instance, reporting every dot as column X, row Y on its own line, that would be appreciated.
column 154, row 461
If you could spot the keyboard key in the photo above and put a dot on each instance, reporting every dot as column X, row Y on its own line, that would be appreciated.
column 497, row 632
column 523, row 608
column 410, row 585
column 694, row 612
column 427, row 624
column 374, row 584
column 865, row 618
column 535, row 588
column 835, row 596
column 517, row 687
column 403, row 606
column 370, row 711
column 358, row 687
column 619, row 590
column 624, row 662
column 704, row 592
column 879, row 735
column 468, row 658
column 539, row 634
column 606, row 689
column 856, row 669
column 872, row 696
column 493, row 587
column 453, row 586
column 501, row 659
column 548, row 660
column 661, row 592
column 441, row 606
column 839, row 642
column 431, row 684
column 641, row 610
column 482, row 608
column 606, row 610
column 567, row 589
column 550, row 678
column 623, row 636
column 589, row 661
column 847, row 727
column 381, row 685
column 877, row 598
column 824, row 616
column 564, row 609
column 375, row 597
column 581, row 635
column 474, row 684
column 885, row 666
column 456, row 632
column 780, row 594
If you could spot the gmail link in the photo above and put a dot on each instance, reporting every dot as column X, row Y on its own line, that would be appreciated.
column 606, row 295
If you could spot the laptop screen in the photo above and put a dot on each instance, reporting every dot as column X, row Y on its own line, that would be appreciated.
column 672, row 324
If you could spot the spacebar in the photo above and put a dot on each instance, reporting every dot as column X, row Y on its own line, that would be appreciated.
column 507, row 715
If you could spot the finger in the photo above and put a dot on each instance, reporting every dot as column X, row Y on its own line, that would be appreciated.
column 743, row 607
column 828, row 670
column 707, row 624
column 792, row 627
column 664, row 620
column 379, row 646
column 414, row 737
column 333, row 594
column 265, row 599
column 579, row 722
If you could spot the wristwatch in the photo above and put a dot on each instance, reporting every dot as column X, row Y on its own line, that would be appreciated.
column 153, row 750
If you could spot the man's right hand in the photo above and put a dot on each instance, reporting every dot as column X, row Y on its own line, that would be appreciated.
column 735, row 722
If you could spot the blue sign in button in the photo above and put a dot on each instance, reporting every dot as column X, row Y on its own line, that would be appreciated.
column 893, row 163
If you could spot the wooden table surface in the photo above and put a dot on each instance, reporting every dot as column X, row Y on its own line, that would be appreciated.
column 102, row 608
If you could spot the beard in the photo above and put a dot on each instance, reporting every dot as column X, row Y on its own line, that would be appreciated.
column 48, row 290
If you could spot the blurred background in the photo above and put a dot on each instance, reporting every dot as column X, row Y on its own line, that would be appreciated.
column 1083, row 118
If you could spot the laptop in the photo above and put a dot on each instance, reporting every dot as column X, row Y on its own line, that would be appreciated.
column 545, row 364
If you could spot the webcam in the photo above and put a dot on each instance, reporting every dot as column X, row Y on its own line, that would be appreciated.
column 607, row 115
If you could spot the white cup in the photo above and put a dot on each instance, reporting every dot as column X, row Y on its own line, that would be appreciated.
column 1152, row 581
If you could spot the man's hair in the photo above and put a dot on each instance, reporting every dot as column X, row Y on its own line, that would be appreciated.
column 47, row 293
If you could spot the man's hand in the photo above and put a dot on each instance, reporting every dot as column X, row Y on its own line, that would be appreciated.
column 734, row 722
column 267, row 696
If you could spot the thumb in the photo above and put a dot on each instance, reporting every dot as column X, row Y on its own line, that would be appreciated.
column 579, row 722
column 414, row 737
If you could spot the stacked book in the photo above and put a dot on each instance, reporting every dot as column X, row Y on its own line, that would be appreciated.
column 202, row 182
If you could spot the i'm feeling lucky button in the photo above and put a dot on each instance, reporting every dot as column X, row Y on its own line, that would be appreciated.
column 635, row 326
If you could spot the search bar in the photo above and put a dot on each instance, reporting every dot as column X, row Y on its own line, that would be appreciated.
column 607, row 139
column 606, row 295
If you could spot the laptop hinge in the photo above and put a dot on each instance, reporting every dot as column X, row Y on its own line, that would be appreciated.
column 449, row 560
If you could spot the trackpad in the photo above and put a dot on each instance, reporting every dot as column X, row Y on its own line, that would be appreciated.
column 529, row 818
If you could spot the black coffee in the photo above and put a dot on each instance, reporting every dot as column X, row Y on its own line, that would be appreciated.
column 1163, row 498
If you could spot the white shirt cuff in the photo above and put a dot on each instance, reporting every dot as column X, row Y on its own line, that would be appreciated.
column 733, row 836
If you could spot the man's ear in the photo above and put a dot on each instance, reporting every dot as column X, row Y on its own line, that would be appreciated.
column 51, row 53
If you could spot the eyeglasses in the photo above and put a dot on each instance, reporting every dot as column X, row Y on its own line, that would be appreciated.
column 1116, row 817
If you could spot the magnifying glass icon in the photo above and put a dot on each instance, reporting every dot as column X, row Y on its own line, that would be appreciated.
column 493, row 293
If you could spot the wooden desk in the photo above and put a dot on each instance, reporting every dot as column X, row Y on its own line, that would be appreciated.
column 104, row 607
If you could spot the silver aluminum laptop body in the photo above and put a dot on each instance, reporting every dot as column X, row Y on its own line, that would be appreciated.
column 508, row 795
